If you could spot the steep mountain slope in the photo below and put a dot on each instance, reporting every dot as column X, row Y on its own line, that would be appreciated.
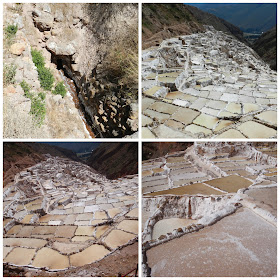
column 18, row 156
column 115, row 159
column 152, row 150
column 162, row 21
column 266, row 47
column 245, row 16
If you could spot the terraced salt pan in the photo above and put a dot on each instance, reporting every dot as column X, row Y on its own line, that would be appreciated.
column 160, row 206
column 214, row 96
column 193, row 189
column 208, row 252
column 266, row 195
column 165, row 226
column 81, row 218
column 230, row 183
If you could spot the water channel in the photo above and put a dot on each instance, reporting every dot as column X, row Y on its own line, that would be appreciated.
column 71, row 87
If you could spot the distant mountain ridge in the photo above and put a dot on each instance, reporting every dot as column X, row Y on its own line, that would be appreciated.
column 77, row 147
column 249, row 17
column 111, row 159
column 163, row 21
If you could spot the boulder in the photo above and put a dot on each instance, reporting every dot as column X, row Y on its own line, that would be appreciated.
column 36, row 13
column 44, row 22
column 58, row 16
column 18, row 21
column 9, row 90
column 60, row 48
column 17, row 48
column 57, row 98
column 47, row 8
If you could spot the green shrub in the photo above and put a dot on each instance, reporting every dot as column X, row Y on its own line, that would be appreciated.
column 37, row 58
column 46, row 78
column 45, row 75
column 26, row 88
column 11, row 30
column 42, row 95
column 38, row 110
column 38, row 107
column 9, row 73
column 60, row 89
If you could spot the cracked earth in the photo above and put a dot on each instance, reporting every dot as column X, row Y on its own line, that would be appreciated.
column 61, row 214
column 207, row 85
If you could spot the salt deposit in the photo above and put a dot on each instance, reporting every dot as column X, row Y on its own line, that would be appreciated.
column 171, row 211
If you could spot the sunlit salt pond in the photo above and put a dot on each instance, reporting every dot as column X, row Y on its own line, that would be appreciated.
column 165, row 226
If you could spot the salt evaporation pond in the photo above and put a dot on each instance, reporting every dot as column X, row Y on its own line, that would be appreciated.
column 165, row 226
column 238, row 245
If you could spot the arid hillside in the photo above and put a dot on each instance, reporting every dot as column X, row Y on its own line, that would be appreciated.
column 163, row 21
column 115, row 160
column 152, row 150
column 266, row 47
column 18, row 156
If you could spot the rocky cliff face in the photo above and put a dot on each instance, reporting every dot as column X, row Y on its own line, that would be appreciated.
column 115, row 160
column 82, row 41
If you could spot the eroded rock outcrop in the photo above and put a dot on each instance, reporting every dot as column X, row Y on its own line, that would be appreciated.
column 80, row 40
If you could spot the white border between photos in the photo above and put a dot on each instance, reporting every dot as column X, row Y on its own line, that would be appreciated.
column 139, row 139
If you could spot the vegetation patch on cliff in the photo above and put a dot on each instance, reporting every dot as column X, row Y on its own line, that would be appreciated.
column 38, row 105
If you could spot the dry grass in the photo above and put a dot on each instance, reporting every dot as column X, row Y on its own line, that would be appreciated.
column 121, row 62
column 15, row 126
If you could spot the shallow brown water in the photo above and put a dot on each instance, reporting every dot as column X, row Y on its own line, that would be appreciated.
column 72, row 89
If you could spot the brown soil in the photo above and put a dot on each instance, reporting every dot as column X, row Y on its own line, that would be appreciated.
column 17, row 157
column 158, row 149
column 170, row 32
